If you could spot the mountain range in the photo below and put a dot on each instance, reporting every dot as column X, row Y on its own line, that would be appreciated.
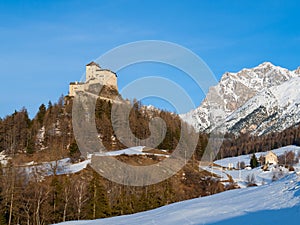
column 258, row 101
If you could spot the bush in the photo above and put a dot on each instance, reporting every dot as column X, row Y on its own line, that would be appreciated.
column 288, row 158
column 253, row 161
column 251, row 181
column 74, row 152
column 241, row 165
column 277, row 174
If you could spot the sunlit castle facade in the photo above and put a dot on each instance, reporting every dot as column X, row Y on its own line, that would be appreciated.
column 94, row 74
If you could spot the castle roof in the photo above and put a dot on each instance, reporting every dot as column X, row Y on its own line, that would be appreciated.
column 76, row 82
column 93, row 64
column 271, row 153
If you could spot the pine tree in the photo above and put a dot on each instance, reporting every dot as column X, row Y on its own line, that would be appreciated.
column 98, row 206
column 253, row 161
column 49, row 105
column 41, row 114
column 74, row 150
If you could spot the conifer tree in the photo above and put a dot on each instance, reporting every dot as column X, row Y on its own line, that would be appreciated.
column 98, row 206
column 41, row 114
column 253, row 161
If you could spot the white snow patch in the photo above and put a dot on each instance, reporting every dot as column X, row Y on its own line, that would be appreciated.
column 137, row 150
column 275, row 202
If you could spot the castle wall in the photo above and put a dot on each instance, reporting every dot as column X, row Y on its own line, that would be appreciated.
column 74, row 87
column 94, row 75
column 104, row 77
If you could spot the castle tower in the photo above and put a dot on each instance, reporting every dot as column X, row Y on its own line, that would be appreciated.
column 95, row 74
column 91, row 70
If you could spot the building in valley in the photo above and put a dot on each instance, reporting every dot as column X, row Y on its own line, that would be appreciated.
column 271, row 158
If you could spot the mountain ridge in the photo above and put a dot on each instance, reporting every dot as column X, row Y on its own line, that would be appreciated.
column 234, row 90
column 281, row 106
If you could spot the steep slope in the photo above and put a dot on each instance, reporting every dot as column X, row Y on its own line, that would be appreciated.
column 274, row 109
column 235, row 89
column 276, row 203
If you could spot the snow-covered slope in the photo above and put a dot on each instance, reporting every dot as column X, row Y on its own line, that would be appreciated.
column 276, row 203
column 65, row 166
column 136, row 150
column 273, row 203
column 261, row 177
column 60, row 167
column 236, row 89
column 273, row 109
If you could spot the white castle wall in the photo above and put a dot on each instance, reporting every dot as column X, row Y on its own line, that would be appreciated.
column 94, row 74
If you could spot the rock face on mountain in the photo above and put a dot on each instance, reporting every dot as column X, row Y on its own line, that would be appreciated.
column 258, row 101
column 273, row 109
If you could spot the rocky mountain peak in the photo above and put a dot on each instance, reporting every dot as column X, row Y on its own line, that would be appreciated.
column 265, row 65
column 235, row 89
column 297, row 71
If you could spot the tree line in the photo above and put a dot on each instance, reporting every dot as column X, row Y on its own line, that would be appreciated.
column 246, row 143
column 39, row 199
column 86, row 195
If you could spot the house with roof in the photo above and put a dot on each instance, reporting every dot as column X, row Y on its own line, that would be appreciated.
column 94, row 74
column 271, row 158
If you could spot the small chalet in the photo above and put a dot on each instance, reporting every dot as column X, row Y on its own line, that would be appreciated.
column 271, row 158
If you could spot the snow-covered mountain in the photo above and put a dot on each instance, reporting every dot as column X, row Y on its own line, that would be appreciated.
column 273, row 109
column 259, row 100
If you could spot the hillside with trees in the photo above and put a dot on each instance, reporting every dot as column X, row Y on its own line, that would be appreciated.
column 243, row 144
column 33, row 198
column 39, row 199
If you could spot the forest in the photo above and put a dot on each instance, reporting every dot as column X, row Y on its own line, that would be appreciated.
column 33, row 198
column 38, row 199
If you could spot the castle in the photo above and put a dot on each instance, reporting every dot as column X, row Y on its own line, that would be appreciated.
column 94, row 75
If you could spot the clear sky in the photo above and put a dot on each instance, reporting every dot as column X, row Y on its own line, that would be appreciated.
column 45, row 44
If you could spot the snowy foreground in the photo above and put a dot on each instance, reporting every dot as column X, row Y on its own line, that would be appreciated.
column 274, row 203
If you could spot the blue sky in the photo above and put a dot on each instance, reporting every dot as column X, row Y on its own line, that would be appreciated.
column 45, row 44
